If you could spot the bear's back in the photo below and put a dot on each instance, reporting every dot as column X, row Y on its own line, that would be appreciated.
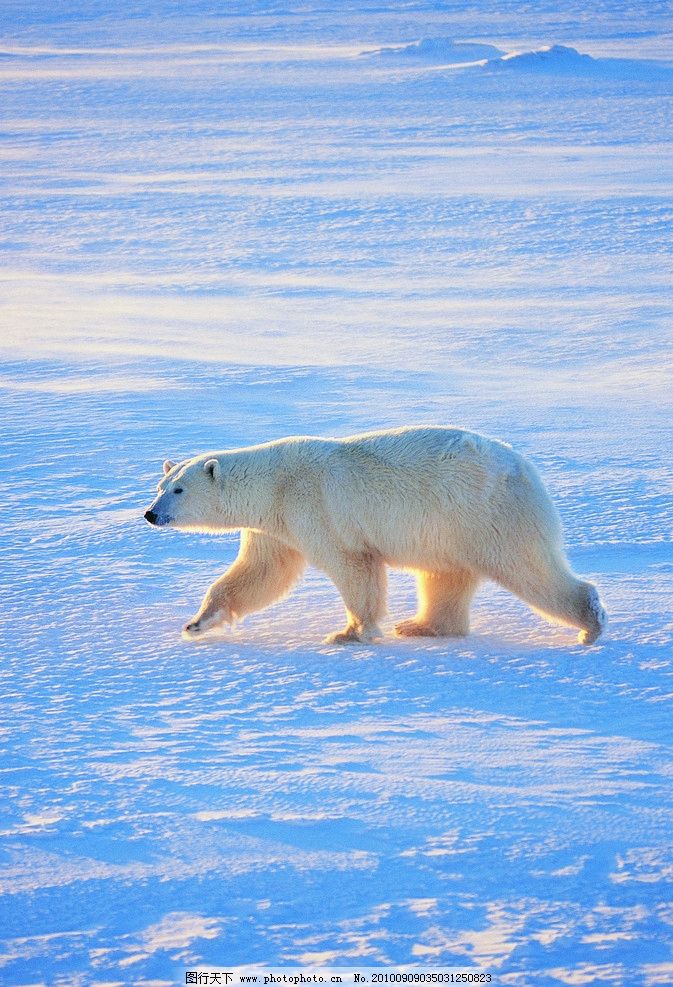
column 413, row 446
column 406, row 492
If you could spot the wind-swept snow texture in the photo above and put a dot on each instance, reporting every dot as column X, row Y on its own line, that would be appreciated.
column 224, row 223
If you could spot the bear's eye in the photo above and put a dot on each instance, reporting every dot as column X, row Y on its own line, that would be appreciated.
column 178, row 490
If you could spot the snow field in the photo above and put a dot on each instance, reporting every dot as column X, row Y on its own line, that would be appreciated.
column 221, row 231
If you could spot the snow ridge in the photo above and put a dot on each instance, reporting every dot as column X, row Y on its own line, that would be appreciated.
column 438, row 51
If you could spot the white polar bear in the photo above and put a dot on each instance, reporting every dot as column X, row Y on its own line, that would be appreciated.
column 453, row 506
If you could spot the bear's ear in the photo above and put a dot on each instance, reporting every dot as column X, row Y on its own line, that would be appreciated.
column 212, row 468
column 168, row 466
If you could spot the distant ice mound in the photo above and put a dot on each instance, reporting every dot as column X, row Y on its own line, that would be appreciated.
column 551, row 59
column 438, row 51
column 547, row 60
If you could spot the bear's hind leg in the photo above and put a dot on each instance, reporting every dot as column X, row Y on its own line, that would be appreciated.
column 444, row 600
column 553, row 591
column 362, row 582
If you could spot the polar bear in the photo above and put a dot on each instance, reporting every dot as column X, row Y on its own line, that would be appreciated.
column 453, row 506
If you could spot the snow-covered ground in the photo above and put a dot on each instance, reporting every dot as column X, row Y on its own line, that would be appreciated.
column 313, row 218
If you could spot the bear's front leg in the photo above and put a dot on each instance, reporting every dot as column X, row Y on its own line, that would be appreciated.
column 213, row 612
column 264, row 571
column 361, row 580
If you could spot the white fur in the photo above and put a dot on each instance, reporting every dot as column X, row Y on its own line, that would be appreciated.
column 453, row 506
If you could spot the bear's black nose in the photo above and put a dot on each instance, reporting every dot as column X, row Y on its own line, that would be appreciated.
column 151, row 517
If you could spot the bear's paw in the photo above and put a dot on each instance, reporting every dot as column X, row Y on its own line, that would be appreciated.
column 199, row 626
column 354, row 635
column 414, row 628
column 597, row 617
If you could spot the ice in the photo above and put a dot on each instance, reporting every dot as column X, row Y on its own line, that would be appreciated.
column 222, row 226
column 562, row 60
column 549, row 58
column 438, row 50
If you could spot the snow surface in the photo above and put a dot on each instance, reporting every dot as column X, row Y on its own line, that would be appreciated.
column 222, row 228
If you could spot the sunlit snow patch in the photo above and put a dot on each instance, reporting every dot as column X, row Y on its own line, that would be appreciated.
column 127, row 384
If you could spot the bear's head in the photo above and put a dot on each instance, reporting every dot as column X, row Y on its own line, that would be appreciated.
column 187, row 496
